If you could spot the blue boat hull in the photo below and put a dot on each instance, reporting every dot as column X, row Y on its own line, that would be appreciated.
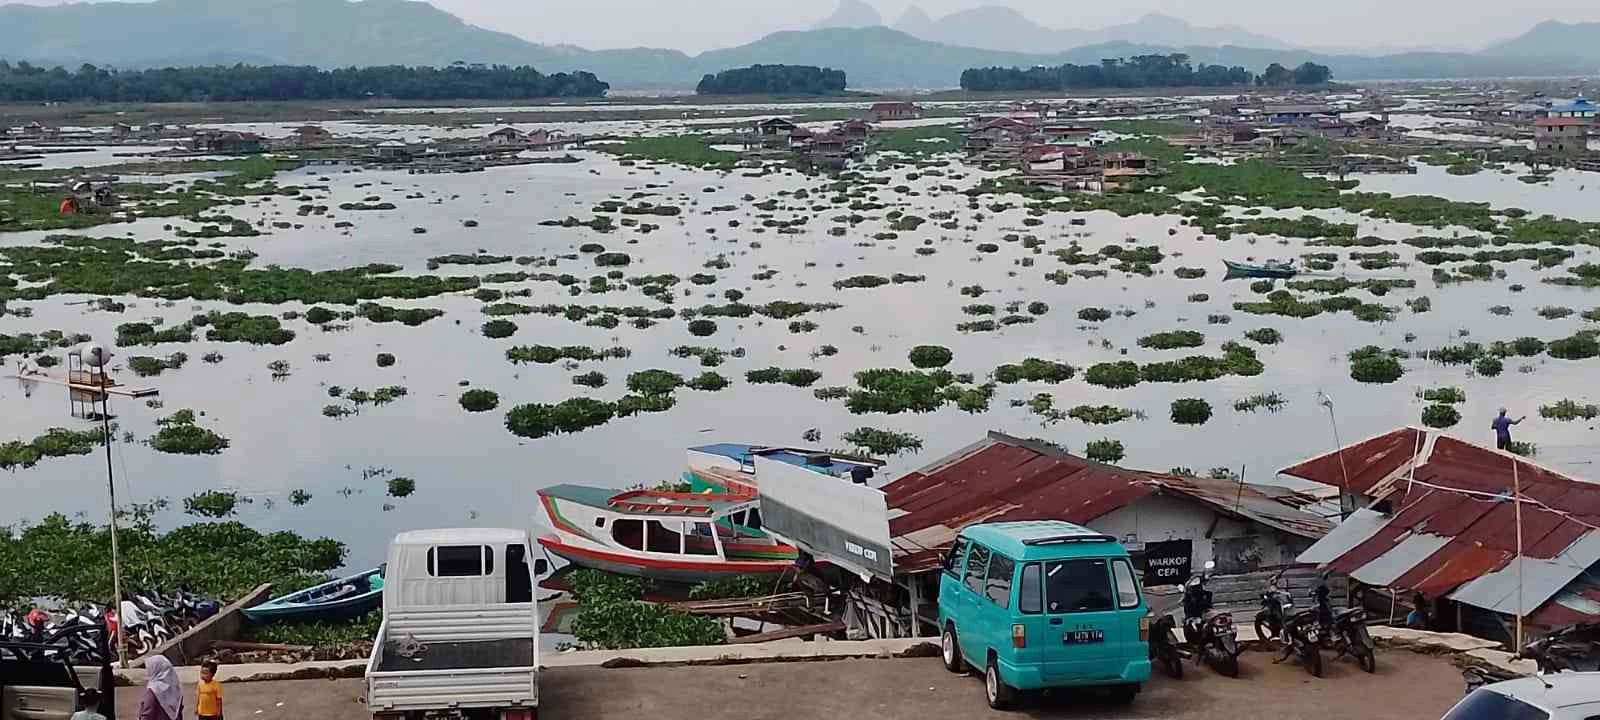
column 309, row 604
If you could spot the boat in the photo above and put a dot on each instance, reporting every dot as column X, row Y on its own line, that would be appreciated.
column 682, row 537
column 731, row 467
column 1268, row 269
column 340, row 599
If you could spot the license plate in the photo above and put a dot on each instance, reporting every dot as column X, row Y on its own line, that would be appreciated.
column 1083, row 637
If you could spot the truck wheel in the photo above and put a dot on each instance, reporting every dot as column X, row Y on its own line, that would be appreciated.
column 1124, row 694
column 950, row 651
column 1000, row 695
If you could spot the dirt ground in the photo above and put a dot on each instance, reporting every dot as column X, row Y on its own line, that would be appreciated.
column 1407, row 686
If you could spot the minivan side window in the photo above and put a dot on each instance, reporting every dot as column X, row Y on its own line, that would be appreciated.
column 997, row 585
column 1077, row 586
column 1030, row 591
column 954, row 556
column 1127, row 586
column 977, row 565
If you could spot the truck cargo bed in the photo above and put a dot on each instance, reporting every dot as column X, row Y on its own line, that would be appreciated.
column 463, row 655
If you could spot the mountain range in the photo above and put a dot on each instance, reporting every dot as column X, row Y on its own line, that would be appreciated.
column 921, row 52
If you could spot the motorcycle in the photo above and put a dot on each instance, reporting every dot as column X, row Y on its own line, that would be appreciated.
column 141, row 637
column 1303, row 640
column 1210, row 633
column 1276, row 604
column 1575, row 647
column 1345, row 631
column 1164, row 649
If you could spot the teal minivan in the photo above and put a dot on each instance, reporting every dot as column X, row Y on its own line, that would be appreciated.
column 1043, row 604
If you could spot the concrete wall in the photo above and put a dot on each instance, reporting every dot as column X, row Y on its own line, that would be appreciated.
column 187, row 648
column 1243, row 544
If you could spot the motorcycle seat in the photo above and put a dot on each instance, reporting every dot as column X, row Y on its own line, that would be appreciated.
column 1341, row 615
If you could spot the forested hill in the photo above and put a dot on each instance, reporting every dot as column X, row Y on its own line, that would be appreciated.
column 26, row 83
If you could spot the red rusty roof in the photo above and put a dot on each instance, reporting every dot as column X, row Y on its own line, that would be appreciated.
column 1460, row 521
column 1562, row 122
column 1002, row 478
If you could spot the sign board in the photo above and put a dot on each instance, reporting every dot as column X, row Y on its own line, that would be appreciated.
column 829, row 517
column 1167, row 562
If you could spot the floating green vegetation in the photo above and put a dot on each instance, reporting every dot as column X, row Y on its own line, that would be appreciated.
column 1567, row 410
column 707, row 381
column 299, row 497
column 689, row 150
column 384, row 314
column 1094, row 314
column 500, row 328
column 1420, row 304
column 894, row 391
column 832, row 392
column 802, row 326
column 882, row 442
column 546, row 354
column 592, row 379
column 1034, row 370
column 213, row 503
column 318, row 634
column 1105, row 450
column 141, row 333
column 708, row 356
column 1446, row 395
column 536, row 420
column 1283, row 302
column 1190, row 411
column 1371, row 364
column 146, row 366
column 400, row 487
column 55, row 442
column 918, row 141
column 179, row 434
column 1488, row 366
column 1340, row 285
column 1578, row 346
column 242, row 327
column 976, row 309
column 702, row 328
column 1138, row 260
column 1189, row 273
column 798, row 377
column 612, row 615
column 1554, row 312
column 1115, row 375
column 476, row 400
column 1265, row 336
column 930, row 356
column 1173, row 339
column 1236, row 360
column 1440, row 415
column 1271, row 402
column 161, row 269
column 1100, row 414
column 654, row 382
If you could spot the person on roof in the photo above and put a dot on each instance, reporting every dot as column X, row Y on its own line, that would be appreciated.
column 1502, row 429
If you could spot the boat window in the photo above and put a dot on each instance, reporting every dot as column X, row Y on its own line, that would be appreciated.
column 456, row 560
column 754, row 519
column 1030, row 590
column 1127, row 586
column 977, row 565
column 1077, row 586
column 997, row 584
column 662, row 539
column 698, row 540
column 600, row 522
column 628, row 533
column 737, row 518
column 954, row 556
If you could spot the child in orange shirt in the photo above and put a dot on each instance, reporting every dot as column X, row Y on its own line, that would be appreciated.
column 209, row 706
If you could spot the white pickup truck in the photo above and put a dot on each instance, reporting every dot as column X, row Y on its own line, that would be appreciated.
column 460, row 632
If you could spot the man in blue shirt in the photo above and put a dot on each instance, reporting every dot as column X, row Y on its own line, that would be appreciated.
column 1502, row 429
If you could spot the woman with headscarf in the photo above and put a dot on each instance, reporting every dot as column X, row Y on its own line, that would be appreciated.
column 163, row 695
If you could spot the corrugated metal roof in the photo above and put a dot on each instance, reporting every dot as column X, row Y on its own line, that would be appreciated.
column 1436, row 540
column 1005, row 478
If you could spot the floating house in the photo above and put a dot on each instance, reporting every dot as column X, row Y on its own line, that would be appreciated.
column 894, row 111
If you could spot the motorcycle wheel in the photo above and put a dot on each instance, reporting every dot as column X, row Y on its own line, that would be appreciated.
column 1312, row 658
column 1172, row 661
column 138, row 645
column 1228, row 665
column 1368, row 661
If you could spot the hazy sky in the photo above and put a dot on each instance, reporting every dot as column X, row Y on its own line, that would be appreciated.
column 695, row 25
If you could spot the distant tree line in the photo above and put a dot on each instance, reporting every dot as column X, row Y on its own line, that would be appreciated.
column 1139, row 71
column 29, row 83
column 773, row 80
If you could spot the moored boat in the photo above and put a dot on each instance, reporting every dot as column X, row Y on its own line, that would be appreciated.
column 340, row 599
column 672, row 536
column 1268, row 269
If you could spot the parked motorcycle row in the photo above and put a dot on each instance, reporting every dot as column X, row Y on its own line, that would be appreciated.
column 1575, row 648
column 1304, row 634
column 149, row 617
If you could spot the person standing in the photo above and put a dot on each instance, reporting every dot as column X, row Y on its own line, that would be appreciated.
column 208, row 705
column 1502, row 429
column 163, row 695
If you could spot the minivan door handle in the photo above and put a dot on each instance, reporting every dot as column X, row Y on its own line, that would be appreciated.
column 1055, row 621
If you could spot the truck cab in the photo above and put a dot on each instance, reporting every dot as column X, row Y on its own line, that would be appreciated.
column 460, row 632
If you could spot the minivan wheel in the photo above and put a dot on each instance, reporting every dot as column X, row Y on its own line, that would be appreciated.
column 950, row 651
column 999, row 694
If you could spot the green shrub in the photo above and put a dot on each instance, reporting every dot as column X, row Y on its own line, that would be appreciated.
column 1566, row 409
column 1115, row 375
column 1034, row 370
column 707, row 381
column 496, row 329
column 1094, row 314
column 1173, row 339
column 1190, row 411
column 1105, row 450
column 536, row 420
column 1099, row 414
column 1265, row 336
column 592, row 379
column 1488, row 366
column 1376, row 369
column 883, row 442
column 480, row 400
column 1446, row 395
column 930, row 356
column 1440, row 416
column 401, row 486
column 654, row 382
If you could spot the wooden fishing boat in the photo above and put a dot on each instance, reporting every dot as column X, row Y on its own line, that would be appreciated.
column 673, row 536
column 731, row 467
column 340, row 599
column 1268, row 269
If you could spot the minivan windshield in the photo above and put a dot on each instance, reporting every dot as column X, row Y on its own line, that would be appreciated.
column 1077, row 586
column 1486, row 704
